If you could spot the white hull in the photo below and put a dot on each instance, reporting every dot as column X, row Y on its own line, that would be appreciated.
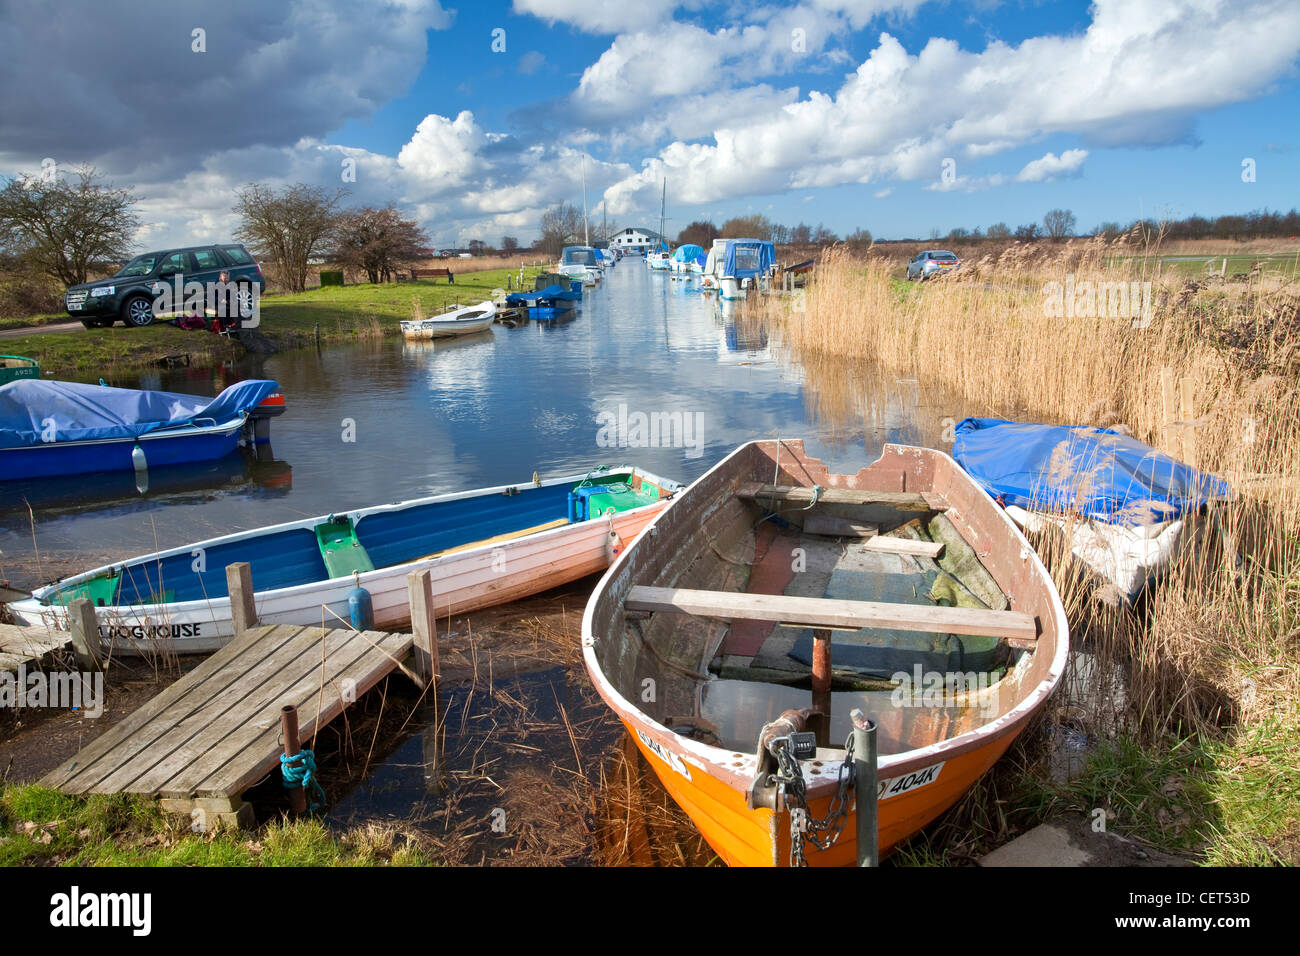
column 464, row 321
column 463, row 581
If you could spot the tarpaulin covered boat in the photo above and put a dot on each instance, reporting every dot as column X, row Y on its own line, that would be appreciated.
column 916, row 600
column 65, row 428
column 484, row 547
column 1122, row 504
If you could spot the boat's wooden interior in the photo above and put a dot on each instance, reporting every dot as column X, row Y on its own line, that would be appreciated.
column 942, row 560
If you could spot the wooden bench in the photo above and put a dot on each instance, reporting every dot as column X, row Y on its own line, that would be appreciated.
column 433, row 274
column 1017, row 628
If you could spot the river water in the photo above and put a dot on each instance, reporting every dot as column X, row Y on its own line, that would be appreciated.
column 384, row 421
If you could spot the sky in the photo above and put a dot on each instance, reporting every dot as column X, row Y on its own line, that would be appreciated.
column 904, row 117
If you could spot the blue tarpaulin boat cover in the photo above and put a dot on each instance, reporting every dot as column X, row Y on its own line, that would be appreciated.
column 557, row 291
column 32, row 412
column 747, row 258
column 687, row 253
column 1089, row 471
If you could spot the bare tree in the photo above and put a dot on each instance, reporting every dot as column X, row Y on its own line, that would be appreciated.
column 999, row 230
column 701, row 232
column 288, row 227
column 61, row 228
column 859, row 240
column 1059, row 224
column 560, row 225
column 509, row 244
column 377, row 241
column 748, row 227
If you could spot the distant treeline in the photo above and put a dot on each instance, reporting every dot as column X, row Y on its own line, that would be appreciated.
column 1057, row 224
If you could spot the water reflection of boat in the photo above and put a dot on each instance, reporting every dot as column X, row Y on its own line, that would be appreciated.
column 419, row 347
column 952, row 593
column 743, row 343
column 240, row 471
column 484, row 547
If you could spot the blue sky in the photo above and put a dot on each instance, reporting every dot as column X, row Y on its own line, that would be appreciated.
column 900, row 116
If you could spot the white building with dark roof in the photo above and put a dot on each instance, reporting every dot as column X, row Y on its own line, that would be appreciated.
column 635, row 240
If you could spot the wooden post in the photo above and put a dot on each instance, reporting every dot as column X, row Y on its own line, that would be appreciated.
column 85, row 634
column 243, row 610
column 424, row 651
column 424, row 657
column 289, row 729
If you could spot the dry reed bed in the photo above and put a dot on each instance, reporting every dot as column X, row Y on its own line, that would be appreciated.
column 1209, row 375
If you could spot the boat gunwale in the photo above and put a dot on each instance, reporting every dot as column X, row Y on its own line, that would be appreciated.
column 719, row 761
column 34, row 604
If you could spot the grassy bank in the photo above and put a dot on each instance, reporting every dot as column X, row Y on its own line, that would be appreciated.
column 44, row 827
column 1211, row 659
column 339, row 313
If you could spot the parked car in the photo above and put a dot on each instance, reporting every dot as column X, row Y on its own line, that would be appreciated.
column 129, row 294
column 930, row 263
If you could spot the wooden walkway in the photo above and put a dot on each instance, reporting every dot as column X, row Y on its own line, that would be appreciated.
column 215, row 732
column 31, row 646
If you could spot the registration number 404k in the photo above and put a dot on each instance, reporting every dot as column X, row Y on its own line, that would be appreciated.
column 893, row 786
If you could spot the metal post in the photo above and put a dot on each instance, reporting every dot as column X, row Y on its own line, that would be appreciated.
column 289, row 727
column 864, row 786
column 821, row 684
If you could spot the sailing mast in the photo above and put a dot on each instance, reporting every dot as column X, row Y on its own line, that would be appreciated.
column 586, row 237
column 663, row 199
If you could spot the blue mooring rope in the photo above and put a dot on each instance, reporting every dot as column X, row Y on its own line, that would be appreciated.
column 300, row 771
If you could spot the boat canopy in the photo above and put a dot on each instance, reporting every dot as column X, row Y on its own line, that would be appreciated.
column 687, row 253
column 34, row 412
column 561, row 293
column 1094, row 472
column 748, row 258
column 579, row 256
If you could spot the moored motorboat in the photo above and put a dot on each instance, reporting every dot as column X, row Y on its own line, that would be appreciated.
column 462, row 320
column 950, row 637
column 741, row 265
column 484, row 547
column 50, row 428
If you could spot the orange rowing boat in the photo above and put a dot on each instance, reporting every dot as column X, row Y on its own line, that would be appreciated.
column 773, row 598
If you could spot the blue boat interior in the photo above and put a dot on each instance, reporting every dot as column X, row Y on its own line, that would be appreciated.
column 340, row 546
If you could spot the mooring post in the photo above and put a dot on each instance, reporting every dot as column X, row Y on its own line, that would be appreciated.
column 424, row 627
column 243, row 609
column 289, row 729
column 424, row 654
column 864, row 786
column 85, row 634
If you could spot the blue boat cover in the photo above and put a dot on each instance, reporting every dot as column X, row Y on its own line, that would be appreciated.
column 32, row 411
column 1089, row 471
column 578, row 256
column 747, row 258
column 551, row 292
column 687, row 253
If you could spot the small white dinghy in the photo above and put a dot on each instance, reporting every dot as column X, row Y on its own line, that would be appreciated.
column 458, row 321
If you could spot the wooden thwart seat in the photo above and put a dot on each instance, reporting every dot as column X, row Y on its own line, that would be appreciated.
column 902, row 500
column 1017, row 628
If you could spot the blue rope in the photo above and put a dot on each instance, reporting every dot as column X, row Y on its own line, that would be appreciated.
column 300, row 771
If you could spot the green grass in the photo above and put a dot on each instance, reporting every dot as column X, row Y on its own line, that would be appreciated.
column 342, row 313
column 1211, row 265
column 34, row 321
column 130, row 831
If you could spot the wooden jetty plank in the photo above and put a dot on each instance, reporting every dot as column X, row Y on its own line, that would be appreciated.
column 35, row 645
column 1018, row 628
column 129, row 737
column 229, row 736
column 902, row 500
column 239, row 774
column 888, row 545
column 179, row 731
